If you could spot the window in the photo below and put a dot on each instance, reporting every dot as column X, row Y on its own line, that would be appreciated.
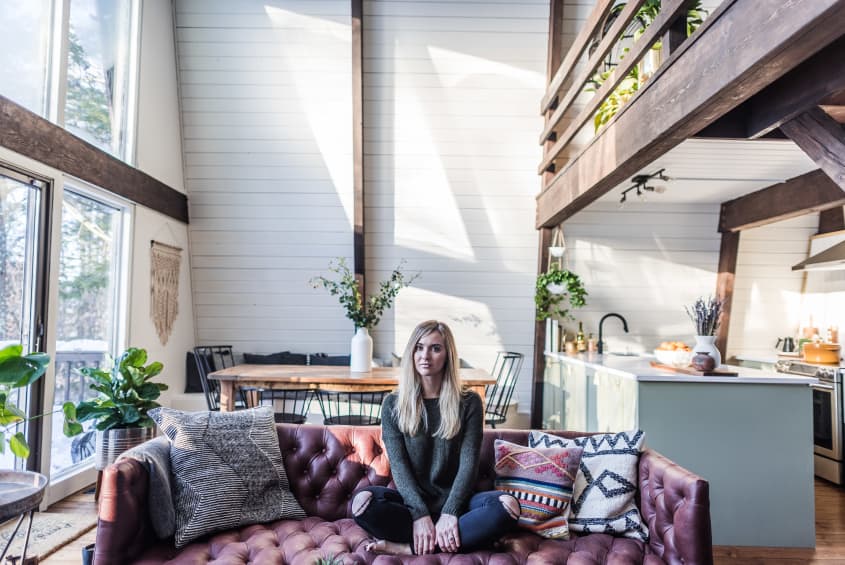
column 24, row 52
column 88, row 86
column 91, row 311
column 98, row 62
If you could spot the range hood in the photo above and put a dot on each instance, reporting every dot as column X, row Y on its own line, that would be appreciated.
column 830, row 259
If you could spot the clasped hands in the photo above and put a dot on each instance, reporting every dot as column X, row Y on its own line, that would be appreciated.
column 445, row 534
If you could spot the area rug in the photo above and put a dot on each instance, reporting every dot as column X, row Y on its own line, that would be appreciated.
column 50, row 531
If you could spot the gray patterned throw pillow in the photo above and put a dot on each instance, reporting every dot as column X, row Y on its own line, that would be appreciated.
column 227, row 470
column 606, row 484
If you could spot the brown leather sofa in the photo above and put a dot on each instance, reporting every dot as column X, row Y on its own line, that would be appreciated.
column 326, row 465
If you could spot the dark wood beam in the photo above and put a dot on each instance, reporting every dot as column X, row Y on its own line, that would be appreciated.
column 831, row 220
column 555, row 53
column 692, row 90
column 31, row 135
column 554, row 61
column 358, row 244
column 725, row 286
column 804, row 194
column 800, row 90
column 544, row 241
column 822, row 139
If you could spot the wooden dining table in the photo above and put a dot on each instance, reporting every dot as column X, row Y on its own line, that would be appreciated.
column 324, row 377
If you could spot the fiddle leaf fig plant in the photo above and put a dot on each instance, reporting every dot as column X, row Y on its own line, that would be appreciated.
column 16, row 371
column 566, row 292
column 126, row 395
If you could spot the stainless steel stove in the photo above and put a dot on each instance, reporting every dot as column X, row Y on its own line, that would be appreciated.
column 828, row 422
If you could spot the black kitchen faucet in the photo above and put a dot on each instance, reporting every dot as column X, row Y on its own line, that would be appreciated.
column 603, row 318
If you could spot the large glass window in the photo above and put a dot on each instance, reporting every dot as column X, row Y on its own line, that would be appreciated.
column 88, row 322
column 86, row 86
column 98, row 61
column 20, row 226
column 24, row 48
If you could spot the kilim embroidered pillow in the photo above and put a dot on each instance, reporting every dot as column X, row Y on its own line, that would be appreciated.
column 227, row 470
column 541, row 480
column 606, row 483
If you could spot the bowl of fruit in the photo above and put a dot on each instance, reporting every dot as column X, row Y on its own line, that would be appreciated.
column 674, row 353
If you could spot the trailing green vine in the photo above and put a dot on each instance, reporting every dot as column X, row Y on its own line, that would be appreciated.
column 551, row 305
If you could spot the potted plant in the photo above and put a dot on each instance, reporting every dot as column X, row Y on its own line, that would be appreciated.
column 120, row 410
column 364, row 314
column 705, row 313
column 556, row 291
column 16, row 371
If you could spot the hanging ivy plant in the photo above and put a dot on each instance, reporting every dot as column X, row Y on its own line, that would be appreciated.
column 555, row 304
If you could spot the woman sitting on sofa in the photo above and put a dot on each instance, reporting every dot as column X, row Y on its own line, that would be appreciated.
column 432, row 430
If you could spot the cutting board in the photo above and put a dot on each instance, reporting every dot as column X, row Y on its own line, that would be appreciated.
column 692, row 371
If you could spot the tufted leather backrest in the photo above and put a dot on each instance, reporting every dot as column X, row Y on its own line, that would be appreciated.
column 327, row 464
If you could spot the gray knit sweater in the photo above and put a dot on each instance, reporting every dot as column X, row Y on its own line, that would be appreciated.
column 434, row 475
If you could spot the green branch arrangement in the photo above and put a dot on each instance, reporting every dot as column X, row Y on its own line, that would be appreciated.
column 363, row 314
column 557, row 305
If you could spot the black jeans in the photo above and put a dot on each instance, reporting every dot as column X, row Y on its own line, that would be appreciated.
column 386, row 517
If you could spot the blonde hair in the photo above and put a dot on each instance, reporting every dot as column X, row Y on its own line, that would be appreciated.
column 410, row 413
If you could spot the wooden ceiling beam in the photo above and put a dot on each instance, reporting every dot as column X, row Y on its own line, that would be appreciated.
column 810, row 192
column 694, row 88
column 821, row 76
column 822, row 139
column 31, row 135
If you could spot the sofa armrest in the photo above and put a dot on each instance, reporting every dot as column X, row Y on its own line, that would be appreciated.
column 123, row 524
column 675, row 504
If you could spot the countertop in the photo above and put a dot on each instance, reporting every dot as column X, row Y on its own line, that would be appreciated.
column 638, row 367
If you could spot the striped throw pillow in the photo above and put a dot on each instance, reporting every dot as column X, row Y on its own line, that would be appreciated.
column 541, row 480
column 227, row 470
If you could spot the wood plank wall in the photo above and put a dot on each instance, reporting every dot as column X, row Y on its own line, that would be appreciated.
column 451, row 92
column 451, row 122
column 767, row 300
column 644, row 261
column 266, row 110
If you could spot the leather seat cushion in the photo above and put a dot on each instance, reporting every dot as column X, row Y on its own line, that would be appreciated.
column 303, row 542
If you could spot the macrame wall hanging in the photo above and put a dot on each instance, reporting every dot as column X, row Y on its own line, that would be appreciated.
column 164, row 287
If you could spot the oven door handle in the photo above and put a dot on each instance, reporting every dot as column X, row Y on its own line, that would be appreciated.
column 822, row 386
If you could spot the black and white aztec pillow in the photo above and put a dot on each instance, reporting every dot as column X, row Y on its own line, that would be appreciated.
column 227, row 470
column 606, row 484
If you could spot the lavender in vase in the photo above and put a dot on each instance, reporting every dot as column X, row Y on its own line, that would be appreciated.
column 705, row 314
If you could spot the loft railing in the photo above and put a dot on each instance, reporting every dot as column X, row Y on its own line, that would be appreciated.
column 608, row 30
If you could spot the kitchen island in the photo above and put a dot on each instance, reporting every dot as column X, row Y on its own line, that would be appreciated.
column 750, row 436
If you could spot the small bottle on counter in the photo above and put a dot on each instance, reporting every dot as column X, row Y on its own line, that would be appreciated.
column 580, row 342
column 592, row 344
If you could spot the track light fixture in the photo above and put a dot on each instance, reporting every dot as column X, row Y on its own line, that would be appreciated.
column 641, row 185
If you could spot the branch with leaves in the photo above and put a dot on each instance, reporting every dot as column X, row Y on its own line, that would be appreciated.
column 17, row 371
column 364, row 314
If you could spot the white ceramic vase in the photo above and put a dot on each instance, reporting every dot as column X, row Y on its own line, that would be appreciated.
column 361, row 352
column 707, row 344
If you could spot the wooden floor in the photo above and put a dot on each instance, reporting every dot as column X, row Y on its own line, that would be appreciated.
column 830, row 535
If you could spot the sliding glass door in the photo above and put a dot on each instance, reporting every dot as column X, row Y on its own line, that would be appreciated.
column 23, row 220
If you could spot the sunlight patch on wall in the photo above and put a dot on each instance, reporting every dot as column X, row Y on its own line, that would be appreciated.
column 435, row 225
column 454, row 67
column 328, row 113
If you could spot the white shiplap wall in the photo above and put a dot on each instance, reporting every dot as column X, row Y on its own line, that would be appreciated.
column 647, row 260
column 768, row 301
column 451, row 95
column 644, row 261
column 266, row 111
